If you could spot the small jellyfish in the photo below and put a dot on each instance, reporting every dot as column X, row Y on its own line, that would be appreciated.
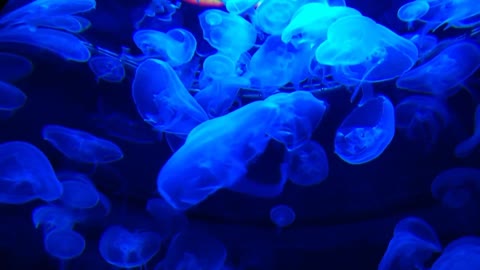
column 466, row 147
column 239, row 6
column 26, row 174
column 282, row 215
column 162, row 10
column 53, row 217
column 107, row 68
column 81, row 146
column 64, row 244
column 12, row 97
column 366, row 132
column 413, row 11
column 456, row 187
column 307, row 165
column 218, row 66
column 124, row 249
column 14, row 67
column 79, row 193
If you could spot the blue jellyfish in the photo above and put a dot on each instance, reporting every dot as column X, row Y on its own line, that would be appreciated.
column 307, row 165
column 53, row 217
column 412, row 11
column 239, row 6
column 230, row 34
column 79, row 192
column 122, row 248
column 218, row 66
column 14, row 67
column 456, row 187
column 425, row 43
column 282, row 215
column 177, row 46
column 441, row 74
column 162, row 10
column 62, row 43
column 81, row 146
column 12, row 97
column 460, row 254
column 107, row 68
column 366, row 132
column 64, row 244
column 195, row 250
column 466, row 147
column 310, row 23
column 451, row 12
column 422, row 119
column 26, row 174
column 162, row 100
column 70, row 23
column 169, row 221
column 273, row 16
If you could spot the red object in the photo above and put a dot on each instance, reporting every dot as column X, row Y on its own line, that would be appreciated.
column 206, row 3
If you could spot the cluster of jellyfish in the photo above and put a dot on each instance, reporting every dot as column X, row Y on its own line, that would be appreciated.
column 283, row 54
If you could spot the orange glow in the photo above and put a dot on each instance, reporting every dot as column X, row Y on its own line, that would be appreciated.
column 205, row 3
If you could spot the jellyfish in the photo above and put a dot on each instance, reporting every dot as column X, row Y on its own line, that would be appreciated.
column 177, row 46
column 239, row 6
column 282, row 215
column 14, row 67
column 70, row 23
column 163, row 101
column 162, row 10
column 273, row 16
column 422, row 119
column 412, row 245
column 218, row 66
column 366, row 132
column 456, row 187
column 412, row 11
column 230, row 34
column 12, row 97
column 310, row 23
column 53, row 217
column 62, row 43
column 450, row 12
column 425, row 43
column 124, row 249
column 107, row 68
column 307, row 165
column 64, row 244
column 169, row 221
column 441, row 74
column 466, row 147
column 81, row 146
column 459, row 254
column 26, row 174
column 195, row 249
column 79, row 192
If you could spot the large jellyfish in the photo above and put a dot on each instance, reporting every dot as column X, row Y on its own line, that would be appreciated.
column 366, row 132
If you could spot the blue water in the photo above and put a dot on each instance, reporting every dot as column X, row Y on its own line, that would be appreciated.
column 244, row 135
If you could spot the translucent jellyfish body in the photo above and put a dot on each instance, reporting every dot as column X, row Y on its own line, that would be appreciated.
column 125, row 249
column 366, row 132
column 12, row 97
column 441, row 74
column 70, row 23
column 308, row 164
column 81, row 146
column 64, row 244
column 177, row 46
column 273, row 16
column 282, row 215
column 107, row 68
column 239, row 6
column 53, row 217
column 466, row 147
column 412, row 11
column 452, row 13
column 456, row 187
column 26, row 174
column 460, row 254
column 79, row 192
column 14, row 67
column 162, row 100
column 228, row 33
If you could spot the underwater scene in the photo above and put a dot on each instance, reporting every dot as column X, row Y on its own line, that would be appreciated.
column 240, row 134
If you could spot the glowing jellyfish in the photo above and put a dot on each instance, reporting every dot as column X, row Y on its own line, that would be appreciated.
column 460, row 254
column 452, row 13
column 228, row 33
column 413, row 244
column 413, row 11
column 162, row 10
column 425, row 43
column 53, row 217
column 218, row 66
column 14, row 67
column 79, row 193
column 366, row 132
column 310, row 23
column 456, row 187
column 81, row 146
column 12, row 97
column 163, row 101
column 195, row 249
column 64, row 244
column 273, row 16
column 239, row 6
column 466, row 147
column 422, row 119
column 177, row 46
column 282, row 215
column 307, row 165
column 62, row 43
column 70, row 23
column 122, row 248
column 107, row 68
column 26, row 174
column 169, row 220
column 441, row 74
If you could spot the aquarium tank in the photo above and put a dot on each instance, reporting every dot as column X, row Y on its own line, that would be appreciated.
column 240, row 134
